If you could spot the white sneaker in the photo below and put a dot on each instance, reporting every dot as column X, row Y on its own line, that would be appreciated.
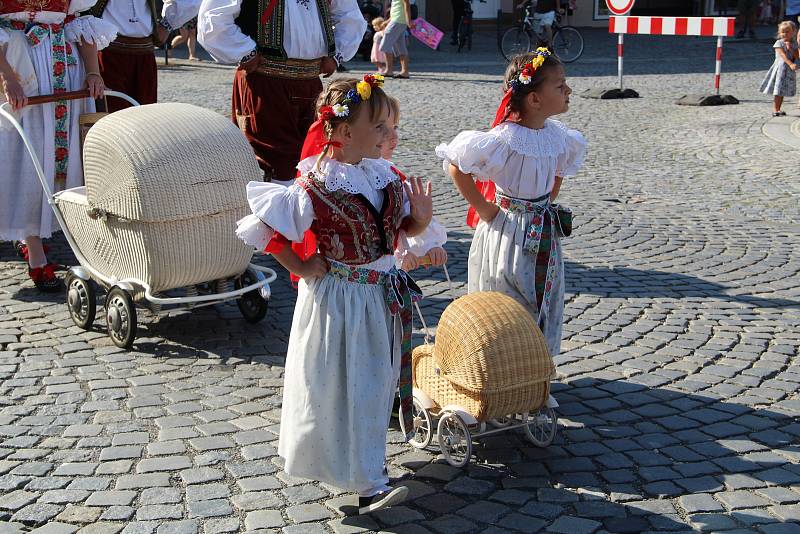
column 382, row 500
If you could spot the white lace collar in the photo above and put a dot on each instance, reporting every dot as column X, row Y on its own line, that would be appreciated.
column 548, row 141
column 360, row 178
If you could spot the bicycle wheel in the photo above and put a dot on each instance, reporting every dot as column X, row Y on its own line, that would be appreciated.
column 568, row 44
column 515, row 40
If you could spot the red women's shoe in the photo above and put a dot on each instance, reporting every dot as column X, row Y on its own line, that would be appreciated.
column 22, row 249
column 45, row 278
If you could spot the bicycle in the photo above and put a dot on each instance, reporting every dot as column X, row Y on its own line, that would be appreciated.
column 465, row 26
column 567, row 40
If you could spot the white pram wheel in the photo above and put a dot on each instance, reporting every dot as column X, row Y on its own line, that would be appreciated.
column 81, row 301
column 454, row 439
column 120, row 317
column 541, row 426
column 423, row 426
column 251, row 304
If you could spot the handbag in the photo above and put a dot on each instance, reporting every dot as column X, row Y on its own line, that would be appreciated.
column 563, row 217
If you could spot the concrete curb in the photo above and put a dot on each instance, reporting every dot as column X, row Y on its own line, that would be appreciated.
column 785, row 130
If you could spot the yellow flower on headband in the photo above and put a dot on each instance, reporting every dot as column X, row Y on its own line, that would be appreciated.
column 537, row 62
column 543, row 50
column 364, row 90
column 379, row 78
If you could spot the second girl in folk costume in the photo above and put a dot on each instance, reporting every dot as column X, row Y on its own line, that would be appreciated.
column 517, row 248
column 351, row 332
column 281, row 47
column 46, row 47
column 128, row 65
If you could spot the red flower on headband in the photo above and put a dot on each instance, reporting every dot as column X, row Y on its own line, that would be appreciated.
column 370, row 79
column 527, row 71
column 326, row 113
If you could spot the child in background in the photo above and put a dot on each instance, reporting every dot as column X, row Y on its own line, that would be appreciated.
column 413, row 249
column 377, row 57
column 781, row 78
column 517, row 248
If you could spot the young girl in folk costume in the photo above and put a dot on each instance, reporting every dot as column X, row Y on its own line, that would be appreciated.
column 351, row 332
column 781, row 78
column 44, row 49
column 377, row 57
column 412, row 248
column 517, row 248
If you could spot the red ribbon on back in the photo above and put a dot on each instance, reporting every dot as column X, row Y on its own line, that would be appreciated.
column 488, row 188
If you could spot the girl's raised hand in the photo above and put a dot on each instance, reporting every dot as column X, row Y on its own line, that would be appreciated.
column 14, row 93
column 420, row 198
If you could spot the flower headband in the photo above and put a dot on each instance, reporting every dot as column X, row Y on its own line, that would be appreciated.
column 362, row 92
column 530, row 68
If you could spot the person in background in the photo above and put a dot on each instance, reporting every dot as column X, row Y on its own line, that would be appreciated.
column 377, row 57
column 781, row 78
column 394, row 38
column 458, row 12
column 747, row 18
column 188, row 35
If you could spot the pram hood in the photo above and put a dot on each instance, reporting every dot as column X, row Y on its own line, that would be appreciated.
column 166, row 162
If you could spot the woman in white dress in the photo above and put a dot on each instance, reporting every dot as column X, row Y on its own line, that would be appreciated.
column 517, row 248
column 351, row 336
column 45, row 48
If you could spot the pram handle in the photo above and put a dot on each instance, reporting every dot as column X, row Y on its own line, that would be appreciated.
column 424, row 260
column 76, row 95
column 69, row 95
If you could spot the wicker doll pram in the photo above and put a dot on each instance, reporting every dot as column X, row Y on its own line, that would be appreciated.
column 165, row 185
column 489, row 364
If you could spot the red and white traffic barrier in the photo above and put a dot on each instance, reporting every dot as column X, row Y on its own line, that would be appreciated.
column 701, row 26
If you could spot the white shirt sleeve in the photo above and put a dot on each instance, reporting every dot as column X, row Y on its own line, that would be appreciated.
column 218, row 33
column 348, row 28
column 481, row 154
column 571, row 161
column 91, row 30
column 178, row 12
column 287, row 210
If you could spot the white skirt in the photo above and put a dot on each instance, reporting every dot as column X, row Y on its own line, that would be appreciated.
column 342, row 368
column 498, row 262
column 23, row 205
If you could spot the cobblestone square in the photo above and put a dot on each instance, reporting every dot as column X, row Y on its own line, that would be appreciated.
column 678, row 384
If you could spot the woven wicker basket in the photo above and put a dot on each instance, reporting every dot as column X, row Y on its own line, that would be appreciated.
column 489, row 358
column 165, row 185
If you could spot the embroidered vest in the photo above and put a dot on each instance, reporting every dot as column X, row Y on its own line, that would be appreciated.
column 99, row 8
column 263, row 22
column 348, row 227
column 33, row 6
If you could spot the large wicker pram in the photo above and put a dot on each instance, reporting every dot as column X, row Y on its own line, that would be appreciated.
column 489, row 364
column 165, row 185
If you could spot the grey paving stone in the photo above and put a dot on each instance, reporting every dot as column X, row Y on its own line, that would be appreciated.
column 735, row 500
column 63, row 496
column 353, row 525
column 210, row 508
column 263, row 519
column 303, row 494
column 17, row 499
column 154, row 512
column 166, row 463
column 306, row 513
column 221, row 526
column 160, row 496
column 702, row 502
column 258, row 483
column 257, row 500
column 121, row 453
column 55, row 528
column 111, row 498
column 712, row 522
column 79, row 514
column 143, row 481
column 201, row 475
column 574, row 525
column 117, row 513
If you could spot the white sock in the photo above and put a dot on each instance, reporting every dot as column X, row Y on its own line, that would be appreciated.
column 374, row 491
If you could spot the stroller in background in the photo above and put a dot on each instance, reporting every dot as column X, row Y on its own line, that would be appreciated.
column 155, row 224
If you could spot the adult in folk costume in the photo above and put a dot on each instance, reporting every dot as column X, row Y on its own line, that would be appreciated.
column 128, row 65
column 44, row 49
column 281, row 47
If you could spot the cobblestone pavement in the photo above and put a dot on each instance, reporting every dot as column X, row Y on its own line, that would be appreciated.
column 678, row 383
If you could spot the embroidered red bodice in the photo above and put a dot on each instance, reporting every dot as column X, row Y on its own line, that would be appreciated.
column 33, row 6
column 348, row 227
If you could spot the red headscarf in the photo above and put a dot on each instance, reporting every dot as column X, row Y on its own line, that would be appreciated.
column 488, row 188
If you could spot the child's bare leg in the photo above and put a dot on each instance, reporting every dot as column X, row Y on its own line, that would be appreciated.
column 36, row 255
column 191, row 42
column 777, row 103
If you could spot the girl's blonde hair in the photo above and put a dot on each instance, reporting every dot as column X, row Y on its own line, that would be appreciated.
column 378, row 23
column 786, row 24
column 336, row 93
